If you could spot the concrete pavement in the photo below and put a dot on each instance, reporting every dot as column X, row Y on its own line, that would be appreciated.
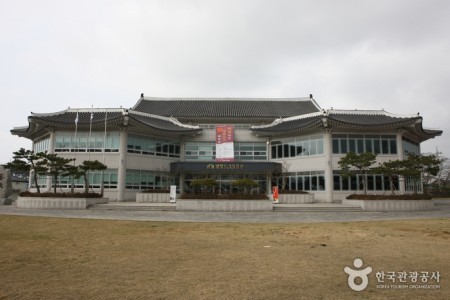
column 245, row 217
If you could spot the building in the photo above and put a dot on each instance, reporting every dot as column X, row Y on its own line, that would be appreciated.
column 171, row 141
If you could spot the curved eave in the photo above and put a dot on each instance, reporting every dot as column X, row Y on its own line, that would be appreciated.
column 290, row 126
column 423, row 134
column 282, row 127
column 30, row 131
column 394, row 124
column 161, row 126
column 21, row 131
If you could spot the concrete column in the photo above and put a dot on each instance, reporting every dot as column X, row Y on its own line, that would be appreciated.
column 182, row 150
column 328, row 151
column 269, row 183
column 122, row 171
column 181, row 183
column 269, row 174
column 51, row 150
column 182, row 158
column 400, row 156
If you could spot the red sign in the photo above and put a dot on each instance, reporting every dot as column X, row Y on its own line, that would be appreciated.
column 275, row 194
column 225, row 143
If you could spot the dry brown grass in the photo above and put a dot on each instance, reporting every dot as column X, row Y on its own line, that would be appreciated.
column 50, row 258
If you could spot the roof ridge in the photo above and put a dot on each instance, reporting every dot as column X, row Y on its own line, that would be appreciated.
column 78, row 110
column 369, row 112
column 225, row 99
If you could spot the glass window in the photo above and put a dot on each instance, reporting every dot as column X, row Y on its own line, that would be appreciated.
column 336, row 146
column 345, row 183
column 314, row 183
column 368, row 143
column 385, row 146
column 319, row 146
column 378, row 182
column 300, row 183
column 306, row 181
column 393, row 146
column 343, row 143
column 313, row 148
column 286, row 150
column 321, row 185
column 352, row 145
column 370, row 183
column 360, row 146
column 376, row 146
column 150, row 146
column 93, row 142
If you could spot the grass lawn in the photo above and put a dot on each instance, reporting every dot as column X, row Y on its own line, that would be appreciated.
column 51, row 258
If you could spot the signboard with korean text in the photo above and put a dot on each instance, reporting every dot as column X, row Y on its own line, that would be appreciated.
column 173, row 193
column 224, row 143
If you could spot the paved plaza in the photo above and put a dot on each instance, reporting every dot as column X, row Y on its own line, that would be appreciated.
column 114, row 212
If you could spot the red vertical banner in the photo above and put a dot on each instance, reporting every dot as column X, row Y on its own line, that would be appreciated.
column 224, row 143
column 275, row 194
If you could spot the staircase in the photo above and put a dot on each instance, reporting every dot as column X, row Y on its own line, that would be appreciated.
column 133, row 206
column 313, row 207
column 316, row 207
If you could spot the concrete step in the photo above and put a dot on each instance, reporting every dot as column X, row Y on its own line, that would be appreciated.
column 441, row 202
column 316, row 208
column 136, row 207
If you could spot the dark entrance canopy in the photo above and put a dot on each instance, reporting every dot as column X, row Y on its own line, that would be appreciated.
column 225, row 167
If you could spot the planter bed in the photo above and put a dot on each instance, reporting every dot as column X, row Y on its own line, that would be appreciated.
column 391, row 204
column 58, row 203
column 224, row 205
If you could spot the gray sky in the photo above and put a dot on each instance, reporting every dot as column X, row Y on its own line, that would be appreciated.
column 349, row 54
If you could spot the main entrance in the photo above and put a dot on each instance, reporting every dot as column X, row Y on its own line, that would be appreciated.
column 225, row 173
column 224, row 181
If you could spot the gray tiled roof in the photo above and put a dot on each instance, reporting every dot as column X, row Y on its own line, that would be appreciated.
column 163, row 124
column 346, row 119
column 67, row 117
column 113, row 117
column 362, row 119
column 227, row 107
column 284, row 127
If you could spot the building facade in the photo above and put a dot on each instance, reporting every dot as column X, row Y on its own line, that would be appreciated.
column 288, row 142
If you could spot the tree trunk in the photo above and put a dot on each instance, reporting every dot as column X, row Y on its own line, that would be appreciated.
column 391, row 184
column 363, row 176
column 36, row 182
column 86, row 184
column 55, row 183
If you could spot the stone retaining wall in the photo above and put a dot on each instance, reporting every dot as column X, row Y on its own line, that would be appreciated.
column 224, row 205
column 391, row 205
column 58, row 203
column 152, row 197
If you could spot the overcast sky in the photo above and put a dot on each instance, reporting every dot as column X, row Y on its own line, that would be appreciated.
column 349, row 54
